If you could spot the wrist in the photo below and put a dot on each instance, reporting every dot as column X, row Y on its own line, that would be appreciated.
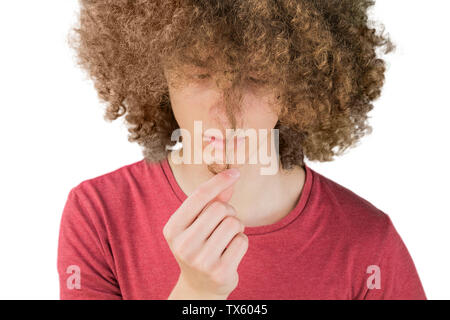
column 183, row 291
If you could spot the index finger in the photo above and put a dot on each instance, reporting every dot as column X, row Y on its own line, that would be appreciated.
column 194, row 204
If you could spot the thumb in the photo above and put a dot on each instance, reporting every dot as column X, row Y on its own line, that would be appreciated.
column 226, row 194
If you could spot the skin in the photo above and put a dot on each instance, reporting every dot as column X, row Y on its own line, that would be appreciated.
column 200, row 100
column 252, row 200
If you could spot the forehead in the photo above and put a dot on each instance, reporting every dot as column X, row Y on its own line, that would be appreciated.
column 182, row 66
column 208, row 59
column 219, row 71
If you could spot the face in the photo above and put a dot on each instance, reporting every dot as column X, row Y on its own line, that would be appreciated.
column 199, row 105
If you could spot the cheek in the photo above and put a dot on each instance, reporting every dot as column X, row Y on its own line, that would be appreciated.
column 259, row 114
column 187, row 106
column 199, row 103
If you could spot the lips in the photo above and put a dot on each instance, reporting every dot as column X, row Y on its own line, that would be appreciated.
column 219, row 143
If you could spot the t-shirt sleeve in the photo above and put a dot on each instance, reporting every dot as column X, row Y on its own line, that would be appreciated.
column 85, row 264
column 397, row 275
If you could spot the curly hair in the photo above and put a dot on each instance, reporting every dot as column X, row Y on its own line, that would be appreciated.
column 320, row 56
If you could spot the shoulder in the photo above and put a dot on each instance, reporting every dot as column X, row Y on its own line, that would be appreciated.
column 365, row 237
column 122, row 177
column 119, row 185
column 348, row 212
column 108, row 196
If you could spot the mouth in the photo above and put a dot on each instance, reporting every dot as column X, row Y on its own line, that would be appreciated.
column 219, row 143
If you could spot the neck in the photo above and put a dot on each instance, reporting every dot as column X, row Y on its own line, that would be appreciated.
column 258, row 199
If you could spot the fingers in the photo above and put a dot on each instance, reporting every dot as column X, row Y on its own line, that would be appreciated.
column 226, row 195
column 235, row 251
column 208, row 220
column 221, row 237
column 193, row 205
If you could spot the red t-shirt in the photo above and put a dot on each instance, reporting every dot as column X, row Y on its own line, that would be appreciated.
column 332, row 245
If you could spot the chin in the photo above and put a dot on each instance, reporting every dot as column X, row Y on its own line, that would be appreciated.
column 216, row 168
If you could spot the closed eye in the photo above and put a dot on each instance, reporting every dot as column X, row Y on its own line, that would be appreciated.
column 203, row 76
column 256, row 80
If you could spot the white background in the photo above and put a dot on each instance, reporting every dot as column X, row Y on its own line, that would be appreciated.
column 53, row 136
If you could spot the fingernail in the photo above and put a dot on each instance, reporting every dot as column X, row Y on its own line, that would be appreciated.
column 233, row 172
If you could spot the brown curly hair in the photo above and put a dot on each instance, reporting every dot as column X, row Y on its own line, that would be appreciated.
column 319, row 54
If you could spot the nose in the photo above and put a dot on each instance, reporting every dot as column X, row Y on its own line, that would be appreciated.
column 218, row 116
column 226, row 109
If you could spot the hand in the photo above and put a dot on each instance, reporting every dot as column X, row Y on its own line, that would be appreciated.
column 207, row 241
